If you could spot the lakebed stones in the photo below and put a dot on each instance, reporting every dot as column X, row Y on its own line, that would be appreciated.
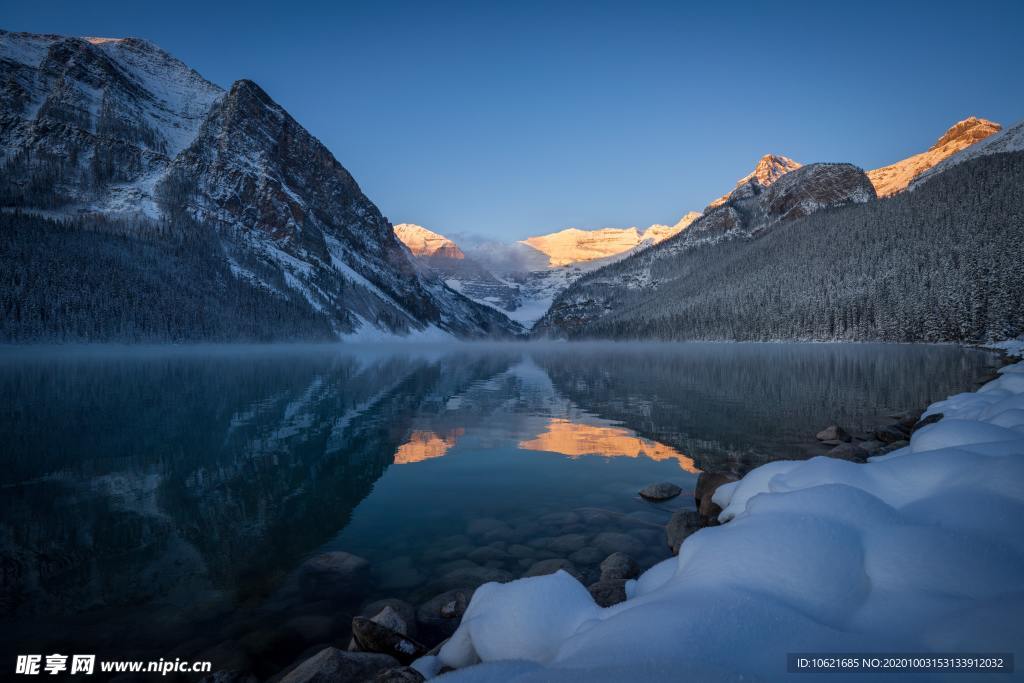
column 661, row 491
column 586, row 556
column 331, row 665
column 545, row 567
column 619, row 567
column 608, row 592
column 375, row 637
column 566, row 543
column 707, row 484
column 333, row 573
column 680, row 526
column 833, row 433
column 613, row 542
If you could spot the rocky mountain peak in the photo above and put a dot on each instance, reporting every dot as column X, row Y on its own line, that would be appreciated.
column 896, row 177
column 771, row 167
column 426, row 243
column 815, row 187
column 768, row 169
column 967, row 132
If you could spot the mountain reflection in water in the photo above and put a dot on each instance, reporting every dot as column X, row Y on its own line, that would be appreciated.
column 160, row 501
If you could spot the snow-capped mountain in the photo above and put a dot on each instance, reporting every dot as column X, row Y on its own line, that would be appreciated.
column 117, row 136
column 575, row 245
column 442, row 257
column 425, row 243
column 749, row 210
column 961, row 135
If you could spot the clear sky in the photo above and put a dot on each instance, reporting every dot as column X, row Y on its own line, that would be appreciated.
column 507, row 119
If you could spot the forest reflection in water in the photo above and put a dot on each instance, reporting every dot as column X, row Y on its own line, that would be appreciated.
column 165, row 498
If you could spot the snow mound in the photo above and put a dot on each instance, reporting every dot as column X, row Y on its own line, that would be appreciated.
column 916, row 551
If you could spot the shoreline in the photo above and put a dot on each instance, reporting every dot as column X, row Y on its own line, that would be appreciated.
column 960, row 439
column 617, row 587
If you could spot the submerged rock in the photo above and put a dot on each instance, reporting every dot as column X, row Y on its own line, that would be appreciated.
column 833, row 433
column 333, row 573
column 331, row 665
column 567, row 543
column 587, row 556
column 680, row 526
column 619, row 567
column 374, row 637
column 608, row 592
column 438, row 617
column 660, row 491
column 613, row 542
column 545, row 567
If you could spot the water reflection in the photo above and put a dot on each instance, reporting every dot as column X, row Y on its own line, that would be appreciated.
column 423, row 445
column 158, row 501
column 576, row 439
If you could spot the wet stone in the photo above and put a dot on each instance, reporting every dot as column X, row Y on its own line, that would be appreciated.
column 660, row 491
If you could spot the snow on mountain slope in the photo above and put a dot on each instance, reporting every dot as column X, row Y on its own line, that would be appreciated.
column 426, row 243
column 961, row 135
column 1009, row 140
column 442, row 257
column 574, row 245
column 110, row 114
column 118, row 130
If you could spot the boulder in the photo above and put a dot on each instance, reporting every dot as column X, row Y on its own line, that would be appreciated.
column 609, row 592
column 545, row 567
column 619, row 567
column 848, row 451
column 405, row 612
column 890, row 434
column 401, row 674
column 660, row 491
column 438, row 617
column 833, row 433
column 925, row 421
column 374, row 637
column 331, row 665
column 707, row 484
column 680, row 526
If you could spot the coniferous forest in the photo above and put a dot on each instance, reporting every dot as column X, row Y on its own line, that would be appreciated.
column 941, row 262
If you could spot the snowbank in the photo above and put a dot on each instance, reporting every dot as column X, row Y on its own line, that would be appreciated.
column 920, row 550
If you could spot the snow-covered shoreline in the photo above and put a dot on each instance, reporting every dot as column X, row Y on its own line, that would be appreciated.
column 919, row 550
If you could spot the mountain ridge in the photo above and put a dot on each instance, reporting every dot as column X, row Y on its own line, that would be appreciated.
column 117, row 132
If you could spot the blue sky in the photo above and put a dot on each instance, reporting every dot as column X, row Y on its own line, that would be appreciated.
column 517, row 118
